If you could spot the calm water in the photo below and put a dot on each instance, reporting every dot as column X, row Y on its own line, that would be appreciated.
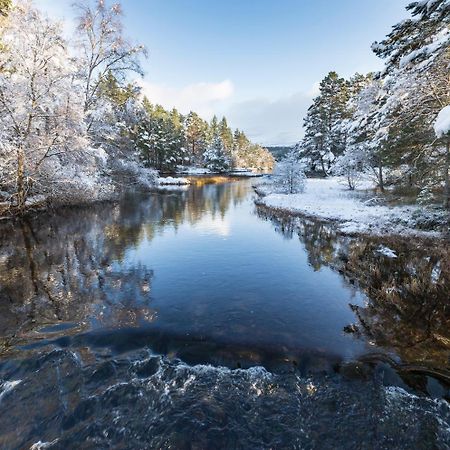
column 193, row 319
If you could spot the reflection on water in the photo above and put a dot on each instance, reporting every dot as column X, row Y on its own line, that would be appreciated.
column 71, row 266
column 110, row 315
column 408, row 309
column 192, row 273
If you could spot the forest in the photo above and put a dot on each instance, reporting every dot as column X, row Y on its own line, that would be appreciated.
column 74, row 124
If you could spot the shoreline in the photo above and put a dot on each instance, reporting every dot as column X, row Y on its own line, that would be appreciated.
column 327, row 202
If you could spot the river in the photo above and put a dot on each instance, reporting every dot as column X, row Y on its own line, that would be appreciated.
column 190, row 318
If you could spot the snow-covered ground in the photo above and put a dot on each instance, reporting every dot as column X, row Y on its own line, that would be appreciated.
column 192, row 170
column 244, row 173
column 173, row 181
column 330, row 200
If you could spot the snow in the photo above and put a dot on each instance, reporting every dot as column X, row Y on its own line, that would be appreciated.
column 249, row 174
column 173, row 181
column 172, row 187
column 442, row 123
column 430, row 49
column 192, row 170
column 329, row 200
column 386, row 251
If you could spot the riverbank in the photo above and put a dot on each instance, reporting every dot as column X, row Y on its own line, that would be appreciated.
column 362, row 211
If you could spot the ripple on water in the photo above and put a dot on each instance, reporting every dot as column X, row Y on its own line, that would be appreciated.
column 140, row 400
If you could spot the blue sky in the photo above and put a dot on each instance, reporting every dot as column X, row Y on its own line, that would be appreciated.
column 257, row 61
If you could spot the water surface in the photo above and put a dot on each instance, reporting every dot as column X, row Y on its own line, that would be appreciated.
column 189, row 318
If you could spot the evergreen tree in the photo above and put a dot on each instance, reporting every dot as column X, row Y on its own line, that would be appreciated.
column 215, row 157
column 213, row 129
column 226, row 135
column 324, row 140
column 196, row 137
column 416, row 86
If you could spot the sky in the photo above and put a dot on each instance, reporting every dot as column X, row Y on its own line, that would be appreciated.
column 259, row 62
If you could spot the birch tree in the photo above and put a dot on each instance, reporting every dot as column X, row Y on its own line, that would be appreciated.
column 41, row 117
column 104, row 51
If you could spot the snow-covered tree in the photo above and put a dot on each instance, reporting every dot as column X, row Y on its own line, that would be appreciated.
column 417, row 54
column 196, row 136
column 41, row 115
column 289, row 175
column 103, row 51
column 159, row 138
column 215, row 156
column 324, row 139
column 351, row 164
column 226, row 135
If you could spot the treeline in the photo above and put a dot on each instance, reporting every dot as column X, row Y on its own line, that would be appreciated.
column 167, row 139
column 394, row 125
column 72, row 126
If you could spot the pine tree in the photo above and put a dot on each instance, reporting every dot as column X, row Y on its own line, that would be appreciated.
column 417, row 86
column 226, row 135
column 196, row 137
column 215, row 157
column 324, row 140
column 213, row 129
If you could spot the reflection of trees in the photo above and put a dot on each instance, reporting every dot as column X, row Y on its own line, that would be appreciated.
column 62, row 268
column 71, row 266
column 408, row 308
column 207, row 196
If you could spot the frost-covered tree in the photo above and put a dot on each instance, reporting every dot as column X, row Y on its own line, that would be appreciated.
column 417, row 88
column 226, row 135
column 385, row 126
column 215, row 156
column 324, row 139
column 366, row 135
column 159, row 138
column 196, row 136
column 289, row 175
column 41, row 115
column 351, row 164
column 417, row 39
column 103, row 50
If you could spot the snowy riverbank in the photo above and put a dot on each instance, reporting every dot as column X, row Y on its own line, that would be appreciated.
column 354, row 212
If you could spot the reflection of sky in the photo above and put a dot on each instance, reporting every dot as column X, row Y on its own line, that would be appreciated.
column 213, row 225
column 234, row 276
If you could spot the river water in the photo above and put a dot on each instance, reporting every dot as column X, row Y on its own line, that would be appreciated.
column 193, row 319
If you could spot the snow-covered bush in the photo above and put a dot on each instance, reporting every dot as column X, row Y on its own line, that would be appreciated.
column 351, row 165
column 127, row 173
column 289, row 175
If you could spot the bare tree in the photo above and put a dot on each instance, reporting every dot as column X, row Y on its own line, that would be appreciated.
column 104, row 50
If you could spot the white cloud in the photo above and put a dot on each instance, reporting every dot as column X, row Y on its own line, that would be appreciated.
column 203, row 98
column 272, row 122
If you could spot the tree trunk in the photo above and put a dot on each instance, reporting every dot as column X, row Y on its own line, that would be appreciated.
column 446, row 176
column 380, row 176
column 21, row 188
